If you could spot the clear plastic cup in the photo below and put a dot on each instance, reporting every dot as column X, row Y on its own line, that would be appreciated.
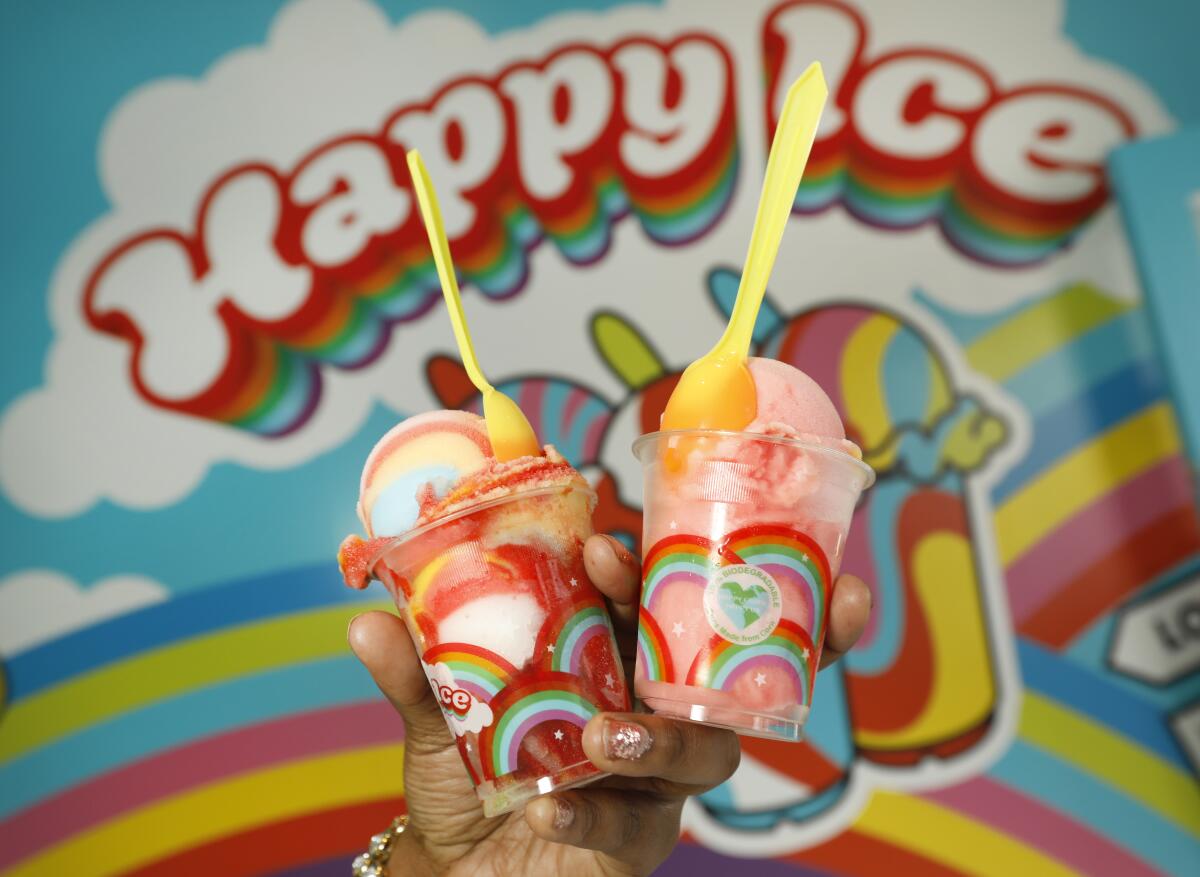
column 743, row 535
column 515, row 640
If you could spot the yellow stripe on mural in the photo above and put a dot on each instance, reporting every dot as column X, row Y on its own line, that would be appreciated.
column 1112, row 758
column 172, row 670
column 1043, row 328
column 203, row 815
column 962, row 694
column 1108, row 461
column 862, row 388
column 956, row 841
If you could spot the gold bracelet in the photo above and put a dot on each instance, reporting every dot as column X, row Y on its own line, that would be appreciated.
column 373, row 863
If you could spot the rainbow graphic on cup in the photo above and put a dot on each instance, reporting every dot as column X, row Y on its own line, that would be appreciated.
column 547, row 697
column 764, row 590
column 722, row 664
column 584, row 626
column 653, row 651
column 509, row 721
column 476, row 670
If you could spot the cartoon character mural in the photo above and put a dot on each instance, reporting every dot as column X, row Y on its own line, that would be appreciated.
column 913, row 533
column 923, row 682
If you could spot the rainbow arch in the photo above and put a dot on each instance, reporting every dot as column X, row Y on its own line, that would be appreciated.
column 676, row 559
column 795, row 561
column 653, row 653
column 199, row 709
column 1101, row 505
column 475, row 669
column 550, row 696
column 721, row 664
column 579, row 630
column 228, row 751
column 1116, row 801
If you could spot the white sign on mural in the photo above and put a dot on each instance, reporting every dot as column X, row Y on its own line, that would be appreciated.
column 1158, row 640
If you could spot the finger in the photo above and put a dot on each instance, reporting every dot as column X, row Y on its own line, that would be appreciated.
column 382, row 643
column 441, row 800
column 615, row 572
column 630, row 826
column 848, row 614
column 684, row 757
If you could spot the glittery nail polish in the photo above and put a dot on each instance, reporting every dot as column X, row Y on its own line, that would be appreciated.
column 625, row 740
column 564, row 815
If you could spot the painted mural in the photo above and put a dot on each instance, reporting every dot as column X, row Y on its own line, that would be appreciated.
column 252, row 305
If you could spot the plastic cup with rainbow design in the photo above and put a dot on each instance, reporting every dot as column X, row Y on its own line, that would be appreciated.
column 741, row 543
column 514, row 638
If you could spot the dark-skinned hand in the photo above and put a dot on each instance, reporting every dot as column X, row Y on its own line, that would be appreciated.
column 625, row 824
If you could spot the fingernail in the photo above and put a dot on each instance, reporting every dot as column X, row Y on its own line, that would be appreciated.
column 564, row 814
column 627, row 741
column 618, row 548
column 350, row 625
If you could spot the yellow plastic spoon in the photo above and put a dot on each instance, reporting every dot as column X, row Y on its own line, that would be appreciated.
column 717, row 391
column 508, row 430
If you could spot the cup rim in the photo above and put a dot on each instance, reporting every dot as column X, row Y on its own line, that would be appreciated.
column 409, row 535
column 834, row 454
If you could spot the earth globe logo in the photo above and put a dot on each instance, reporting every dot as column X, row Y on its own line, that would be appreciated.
column 742, row 604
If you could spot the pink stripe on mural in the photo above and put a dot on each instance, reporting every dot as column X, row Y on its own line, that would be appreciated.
column 530, row 402
column 1066, row 552
column 823, row 343
column 591, row 441
column 571, row 406
column 1051, row 831
column 246, row 749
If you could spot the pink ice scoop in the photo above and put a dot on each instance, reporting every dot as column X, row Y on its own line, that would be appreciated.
column 790, row 401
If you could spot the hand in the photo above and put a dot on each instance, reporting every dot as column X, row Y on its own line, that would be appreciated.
column 626, row 824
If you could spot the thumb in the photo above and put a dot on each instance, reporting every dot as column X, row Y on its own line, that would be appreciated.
column 382, row 642
column 441, row 800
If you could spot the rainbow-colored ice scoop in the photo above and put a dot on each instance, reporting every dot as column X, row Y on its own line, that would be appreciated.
column 485, row 562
